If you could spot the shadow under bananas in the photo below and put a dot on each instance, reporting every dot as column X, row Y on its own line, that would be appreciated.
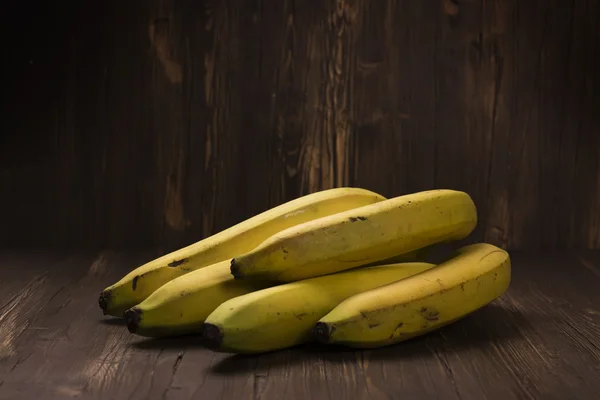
column 169, row 343
column 493, row 324
column 113, row 321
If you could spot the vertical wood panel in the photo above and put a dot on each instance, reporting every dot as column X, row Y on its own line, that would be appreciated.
column 158, row 123
column 495, row 82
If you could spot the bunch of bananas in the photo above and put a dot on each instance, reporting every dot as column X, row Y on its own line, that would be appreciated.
column 337, row 266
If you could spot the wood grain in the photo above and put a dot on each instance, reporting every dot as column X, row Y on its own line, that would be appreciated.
column 539, row 340
column 157, row 123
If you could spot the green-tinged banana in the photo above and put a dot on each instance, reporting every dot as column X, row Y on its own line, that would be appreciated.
column 283, row 316
column 141, row 282
column 360, row 236
column 419, row 304
column 180, row 306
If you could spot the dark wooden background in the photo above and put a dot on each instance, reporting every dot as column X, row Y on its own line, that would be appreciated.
column 154, row 123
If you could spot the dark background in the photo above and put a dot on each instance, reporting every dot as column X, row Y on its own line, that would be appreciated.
column 155, row 123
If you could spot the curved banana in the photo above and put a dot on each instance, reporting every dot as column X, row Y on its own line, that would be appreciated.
column 141, row 282
column 360, row 236
column 419, row 304
column 180, row 306
column 283, row 316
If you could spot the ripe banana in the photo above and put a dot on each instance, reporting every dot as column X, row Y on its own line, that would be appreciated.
column 359, row 236
column 283, row 316
column 421, row 303
column 141, row 282
column 180, row 306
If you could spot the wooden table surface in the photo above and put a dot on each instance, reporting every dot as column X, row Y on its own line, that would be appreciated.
column 540, row 341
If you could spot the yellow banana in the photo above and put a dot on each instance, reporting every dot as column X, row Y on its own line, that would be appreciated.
column 283, row 316
column 141, row 282
column 359, row 236
column 421, row 303
column 180, row 306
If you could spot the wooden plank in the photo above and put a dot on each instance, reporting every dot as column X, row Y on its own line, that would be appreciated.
column 487, row 85
column 37, row 83
column 55, row 341
column 584, row 62
column 394, row 101
column 216, row 135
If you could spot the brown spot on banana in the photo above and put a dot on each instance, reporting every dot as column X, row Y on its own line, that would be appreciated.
column 177, row 263
column 430, row 314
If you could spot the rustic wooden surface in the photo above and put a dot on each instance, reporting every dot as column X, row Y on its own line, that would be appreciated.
column 157, row 122
column 539, row 341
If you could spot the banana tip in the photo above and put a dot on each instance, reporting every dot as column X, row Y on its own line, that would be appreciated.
column 103, row 300
column 235, row 269
column 212, row 335
column 321, row 332
column 133, row 316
